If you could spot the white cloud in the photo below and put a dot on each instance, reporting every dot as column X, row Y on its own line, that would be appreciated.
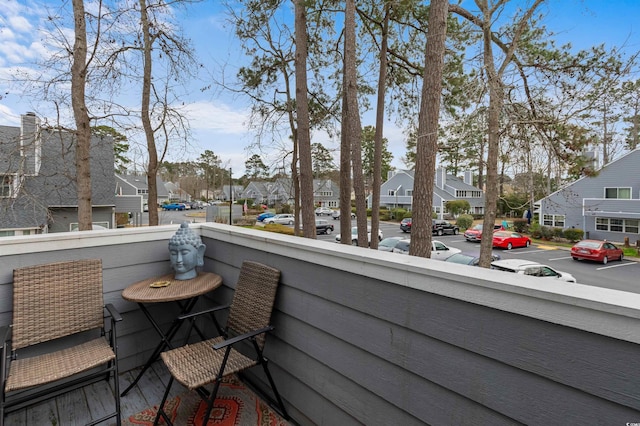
column 217, row 118
column 20, row 24
column 8, row 117
column 6, row 34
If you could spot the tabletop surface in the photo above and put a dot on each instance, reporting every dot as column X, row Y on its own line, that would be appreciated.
column 142, row 292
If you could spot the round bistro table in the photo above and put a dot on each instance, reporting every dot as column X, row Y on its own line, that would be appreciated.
column 184, row 293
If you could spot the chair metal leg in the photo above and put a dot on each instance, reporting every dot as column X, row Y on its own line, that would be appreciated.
column 211, row 401
column 263, row 361
column 161, row 406
column 116, row 392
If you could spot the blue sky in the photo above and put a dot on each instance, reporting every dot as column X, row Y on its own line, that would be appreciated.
column 218, row 119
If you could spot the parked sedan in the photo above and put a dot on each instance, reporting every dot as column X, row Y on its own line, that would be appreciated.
column 509, row 240
column 533, row 269
column 439, row 250
column 475, row 234
column 323, row 227
column 354, row 236
column 405, row 225
column 282, row 218
column 468, row 258
column 262, row 216
column 324, row 211
column 335, row 214
column 389, row 243
column 598, row 251
column 173, row 206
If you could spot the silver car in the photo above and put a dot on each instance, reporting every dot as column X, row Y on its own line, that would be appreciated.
column 282, row 218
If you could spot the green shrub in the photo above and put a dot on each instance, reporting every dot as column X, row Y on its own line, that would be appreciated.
column 520, row 225
column 285, row 208
column 464, row 221
column 573, row 234
column 534, row 230
column 407, row 214
column 385, row 215
column 456, row 207
column 546, row 233
column 398, row 213
column 557, row 232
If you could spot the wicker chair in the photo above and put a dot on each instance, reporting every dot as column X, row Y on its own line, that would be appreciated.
column 63, row 302
column 207, row 362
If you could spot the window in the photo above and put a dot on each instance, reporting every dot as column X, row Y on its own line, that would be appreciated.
column 629, row 226
column 6, row 186
column 143, row 191
column 468, row 194
column 619, row 193
column 555, row 220
column 616, row 225
column 392, row 192
column 409, row 192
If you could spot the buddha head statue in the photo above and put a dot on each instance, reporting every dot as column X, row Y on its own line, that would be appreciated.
column 186, row 252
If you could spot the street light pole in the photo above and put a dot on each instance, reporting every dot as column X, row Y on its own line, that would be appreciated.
column 230, row 197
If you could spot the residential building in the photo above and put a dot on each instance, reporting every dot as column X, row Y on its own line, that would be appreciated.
column 270, row 193
column 132, row 192
column 38, row 192
column 397, row 191
column 175, row 193
column 325, row 192
column 606, row 206
column 231, row 192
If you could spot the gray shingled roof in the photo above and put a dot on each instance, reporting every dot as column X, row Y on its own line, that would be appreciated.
column 55, row 183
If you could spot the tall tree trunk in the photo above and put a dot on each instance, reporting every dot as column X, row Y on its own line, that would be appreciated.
column 302, row 112
column 377, row 138
column 83, row 126
column 427, row 142
column 345, row 173
column 351, row 125
column 496, row 100
column 152, row 169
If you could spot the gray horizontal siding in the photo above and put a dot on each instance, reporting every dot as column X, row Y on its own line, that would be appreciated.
column 352, row 346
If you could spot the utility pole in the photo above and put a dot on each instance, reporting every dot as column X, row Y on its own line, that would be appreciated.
column 230, row 196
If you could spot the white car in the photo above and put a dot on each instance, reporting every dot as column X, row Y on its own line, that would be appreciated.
column 534, row 269
column 324, row 210
column 336, row 215
column 354, row 236
column 282, row 218
column 439, row 250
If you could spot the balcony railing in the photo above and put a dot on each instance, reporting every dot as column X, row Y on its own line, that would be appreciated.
column 366, row 337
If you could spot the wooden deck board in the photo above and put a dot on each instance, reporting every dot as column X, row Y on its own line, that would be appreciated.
column 94, row 401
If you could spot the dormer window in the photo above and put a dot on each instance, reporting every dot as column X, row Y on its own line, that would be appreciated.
column 6, row 186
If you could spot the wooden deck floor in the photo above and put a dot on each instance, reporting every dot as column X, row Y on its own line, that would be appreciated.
column 81, row 406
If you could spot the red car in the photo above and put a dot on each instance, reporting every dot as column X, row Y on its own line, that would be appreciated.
column 509, row 240
column 475, row 233
column 599, row 251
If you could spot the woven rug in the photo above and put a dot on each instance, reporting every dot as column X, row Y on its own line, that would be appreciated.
column 235, row 405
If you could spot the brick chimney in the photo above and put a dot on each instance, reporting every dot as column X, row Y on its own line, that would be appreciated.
column 30, row 142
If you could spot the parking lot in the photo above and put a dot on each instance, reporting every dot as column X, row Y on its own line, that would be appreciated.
column 615, row 275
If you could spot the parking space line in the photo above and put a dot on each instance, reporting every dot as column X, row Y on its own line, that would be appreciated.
column 519, row 251
column 561, row 258
column 616, row 266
